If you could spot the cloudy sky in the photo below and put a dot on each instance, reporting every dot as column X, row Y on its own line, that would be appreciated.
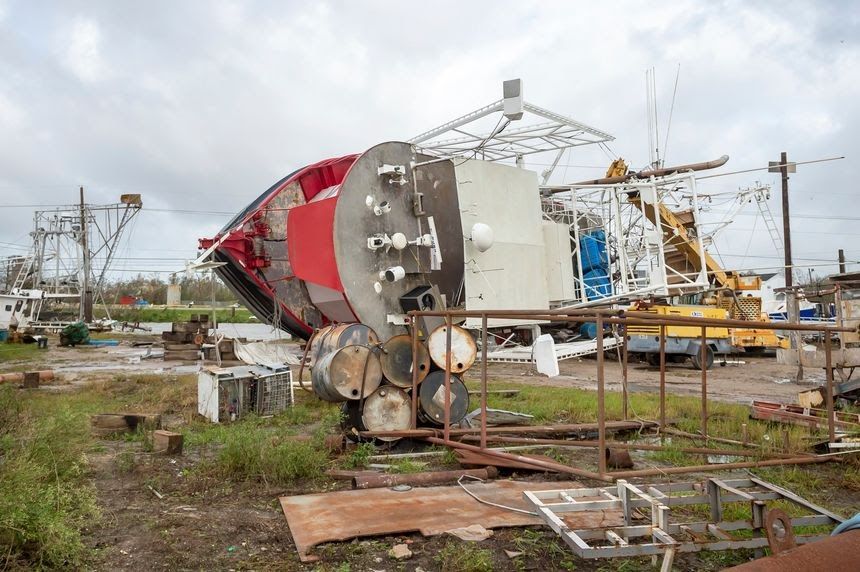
column 200, row 106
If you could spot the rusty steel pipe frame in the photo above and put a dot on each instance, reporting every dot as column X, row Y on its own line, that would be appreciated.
column 628, row 318
column 557, row 429
column 538, row 464
column 620, row 316
column 703, row 360
column 804, row 460
column 701, row 166
column 636, row 447
column 429, row 478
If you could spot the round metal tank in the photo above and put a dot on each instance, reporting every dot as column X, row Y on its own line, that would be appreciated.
column 333, row 337
column 463, row 348
column 396, row 358
column 338, row 375
column 431, row 399
column 386, row 409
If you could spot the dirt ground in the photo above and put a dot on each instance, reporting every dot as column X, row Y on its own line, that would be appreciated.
column 155, row 518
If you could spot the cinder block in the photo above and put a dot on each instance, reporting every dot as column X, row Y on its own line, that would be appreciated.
column 167, row 442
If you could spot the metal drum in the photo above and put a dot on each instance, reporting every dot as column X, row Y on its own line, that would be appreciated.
column 338, row 375
column 396, row 361
column 463, row 348
column 431, row 399
column 386, row 409
column 332, row 337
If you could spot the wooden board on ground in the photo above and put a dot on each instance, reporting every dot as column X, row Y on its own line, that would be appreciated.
column 342, row 515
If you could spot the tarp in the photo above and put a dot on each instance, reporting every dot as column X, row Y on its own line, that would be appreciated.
column 268, row 352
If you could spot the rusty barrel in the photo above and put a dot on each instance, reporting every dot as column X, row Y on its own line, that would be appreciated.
column 431, row 399
column 386, row 409
column 333, row 337
column 396, row 358
column 339, row 375
column 463, row 348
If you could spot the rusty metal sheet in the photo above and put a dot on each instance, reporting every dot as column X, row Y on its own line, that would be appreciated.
column 342, row 515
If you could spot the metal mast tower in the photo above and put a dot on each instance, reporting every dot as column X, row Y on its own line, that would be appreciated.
column 73, row 248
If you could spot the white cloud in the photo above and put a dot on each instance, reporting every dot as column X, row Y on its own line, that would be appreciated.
column 82, row 52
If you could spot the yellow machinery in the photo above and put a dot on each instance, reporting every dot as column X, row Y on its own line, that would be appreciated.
column 730, row 286
column 681, row 341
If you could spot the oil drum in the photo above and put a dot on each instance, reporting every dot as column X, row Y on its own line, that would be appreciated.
column 386, row 409
column 337, row 336
column 338, row 375
column 431, row 399
column 396, row 358
column 463, row 348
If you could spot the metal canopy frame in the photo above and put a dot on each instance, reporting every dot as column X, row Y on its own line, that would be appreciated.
column 554, row 132
column 642, row 261
column 662, row 535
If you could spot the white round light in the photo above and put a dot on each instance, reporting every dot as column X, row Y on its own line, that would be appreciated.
column 398, row 240
column 482, row 236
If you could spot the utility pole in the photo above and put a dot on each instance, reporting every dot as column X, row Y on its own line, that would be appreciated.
column 791, row 301
column 86, row 312
column 841, row 261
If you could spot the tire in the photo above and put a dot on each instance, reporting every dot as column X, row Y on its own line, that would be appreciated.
column 696, row 358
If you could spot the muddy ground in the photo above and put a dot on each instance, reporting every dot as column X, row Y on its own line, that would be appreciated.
column 156, row 518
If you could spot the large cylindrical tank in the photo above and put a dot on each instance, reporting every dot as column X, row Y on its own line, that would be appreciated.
column 464, row 350
column 386, row 409
column 431, row 399
column 336, row 336
column 396, row 358
column 339, row 375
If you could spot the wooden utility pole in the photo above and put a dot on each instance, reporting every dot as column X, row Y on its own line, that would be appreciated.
column 86, row 313
column 841, row 261
column 786, row 223
column 791, row 301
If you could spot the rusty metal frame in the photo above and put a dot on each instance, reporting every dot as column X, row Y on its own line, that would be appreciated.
column 618, row 317
column 714, row 534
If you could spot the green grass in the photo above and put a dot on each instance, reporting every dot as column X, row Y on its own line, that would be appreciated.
column 572, row 405
column 359, row 457
column 132, row 314
column 10, row 352
column 459, row 556
column 44, row 498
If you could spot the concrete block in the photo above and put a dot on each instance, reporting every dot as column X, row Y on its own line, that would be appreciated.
column 167, row 442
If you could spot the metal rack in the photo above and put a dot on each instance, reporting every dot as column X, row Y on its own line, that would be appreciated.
column 668, row 534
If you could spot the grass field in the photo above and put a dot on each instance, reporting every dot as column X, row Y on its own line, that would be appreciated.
column 145, row 314
column 48, row 500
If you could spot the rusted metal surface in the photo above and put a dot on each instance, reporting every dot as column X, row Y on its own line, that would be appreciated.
column 576, row 429
column 601, row 403
column 528, row 460
column 618, row 459
column 704, row 165
column 420, row 479
column 463, row 348
column 435, row 399
column 469, row 458
column 832, row 554
column 325, row 517
column 780, row 533
column 396, row 359
column 799, row 415
column 632, row 446
column 387, row 409
column 801, row 460
column 335, row 336
column 342, row 374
